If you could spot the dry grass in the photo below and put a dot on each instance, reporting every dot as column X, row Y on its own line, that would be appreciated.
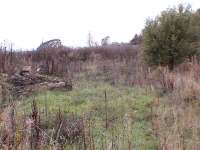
column 176, row 117
column 174, row 114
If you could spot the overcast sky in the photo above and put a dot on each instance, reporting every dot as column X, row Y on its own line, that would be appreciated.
column 29, row 22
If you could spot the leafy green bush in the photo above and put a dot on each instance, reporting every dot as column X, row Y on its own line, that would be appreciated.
column 171, row 38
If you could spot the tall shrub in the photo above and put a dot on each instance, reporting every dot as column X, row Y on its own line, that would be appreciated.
column 170, row 38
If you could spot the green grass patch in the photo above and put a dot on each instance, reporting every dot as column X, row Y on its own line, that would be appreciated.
column 126, row 109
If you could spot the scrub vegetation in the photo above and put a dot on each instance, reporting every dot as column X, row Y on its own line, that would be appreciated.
column 141, row 95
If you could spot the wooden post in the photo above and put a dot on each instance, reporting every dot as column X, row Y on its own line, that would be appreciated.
column 106, row 108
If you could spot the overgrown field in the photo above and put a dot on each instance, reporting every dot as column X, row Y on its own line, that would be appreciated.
column 142, row 95
column 115, row 117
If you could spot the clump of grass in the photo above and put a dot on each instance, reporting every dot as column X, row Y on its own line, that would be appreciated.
column 176, row 120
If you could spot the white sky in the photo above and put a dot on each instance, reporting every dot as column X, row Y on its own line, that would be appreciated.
column 29, row 22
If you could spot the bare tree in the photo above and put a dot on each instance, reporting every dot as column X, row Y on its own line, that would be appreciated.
column 91, row 43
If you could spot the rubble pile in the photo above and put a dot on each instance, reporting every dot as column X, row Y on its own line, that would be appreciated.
column 25, row 82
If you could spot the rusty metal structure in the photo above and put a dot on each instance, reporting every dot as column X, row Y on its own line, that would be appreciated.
column 51, row 44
